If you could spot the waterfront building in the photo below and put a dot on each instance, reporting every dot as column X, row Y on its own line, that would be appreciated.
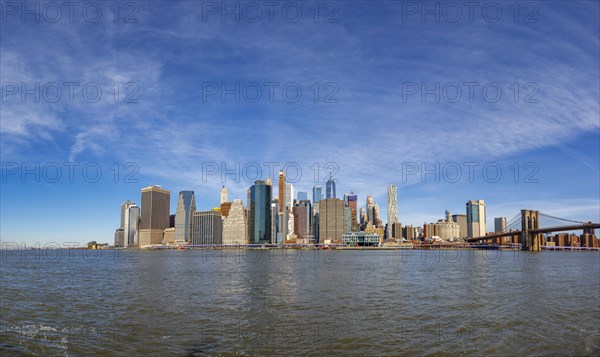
column 186, row 206
column 131, row 228
column 124, row 206
column 154, row 215
column 169, row 236
column 447, row 230
column 461, row 220
column 207, row 228
column 476, row 218
column 119, row 237
column 235, row 226
column 331, row 220
column 370, row 228
column 361, row 239
column 410, row 233
column 259, row 213
column 500, row 224
column 396, row 231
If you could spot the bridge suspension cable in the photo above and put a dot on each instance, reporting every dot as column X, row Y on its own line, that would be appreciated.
column 560, row 219
column 514, row 223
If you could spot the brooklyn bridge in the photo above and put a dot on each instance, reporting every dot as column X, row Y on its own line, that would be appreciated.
column 525, row 229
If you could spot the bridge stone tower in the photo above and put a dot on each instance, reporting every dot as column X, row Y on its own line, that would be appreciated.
column 530, row 220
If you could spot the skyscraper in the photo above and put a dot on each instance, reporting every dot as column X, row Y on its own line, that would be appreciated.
column 363, row 216
column 500, row 224
column 370, row 207
column 289, row 205
column 330, row 188
column 347, row 219
column 259, row 213
column 377, row 216
column 461, row 219
column 351, row 201
column 186, row 206
column 392, row 208
column 224, row 197
column 156, row 203
column 331, row 220
column 119, row 233
column 124, row 206
column 317, row 194
column 302, row 196
column 275, row 234
column 281, row 192
column 132, row 219
column 476, row 218
column 283, row 212
column 235, row 227
column 302, row 221
column 207, row 228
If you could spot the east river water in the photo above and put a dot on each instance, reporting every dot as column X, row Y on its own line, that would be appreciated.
column 299, row 302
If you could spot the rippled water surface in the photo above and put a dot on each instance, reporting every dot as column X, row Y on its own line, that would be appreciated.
column 290, row 302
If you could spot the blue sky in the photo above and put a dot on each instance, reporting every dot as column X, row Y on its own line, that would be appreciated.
column 365, row 57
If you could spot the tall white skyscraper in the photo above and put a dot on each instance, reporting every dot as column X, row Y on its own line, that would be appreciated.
column 392, row 208
column 130, row 225
column 476, row 218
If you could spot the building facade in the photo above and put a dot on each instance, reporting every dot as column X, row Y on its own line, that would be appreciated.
column 461, row 220
column 476, row 218
column 156, row 203
column 392, row 208
column 317, row 194
column 259, row 213
column 186, row 206
column 302, row 221
column 207, row 228
column 499, row 224
column 331, row 220
column 131, row 229
column 330, row 188
column 235, row 226
column 302, row 196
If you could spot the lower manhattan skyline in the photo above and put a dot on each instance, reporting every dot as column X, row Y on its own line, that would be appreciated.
column 555, row 131
column 299, row 178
